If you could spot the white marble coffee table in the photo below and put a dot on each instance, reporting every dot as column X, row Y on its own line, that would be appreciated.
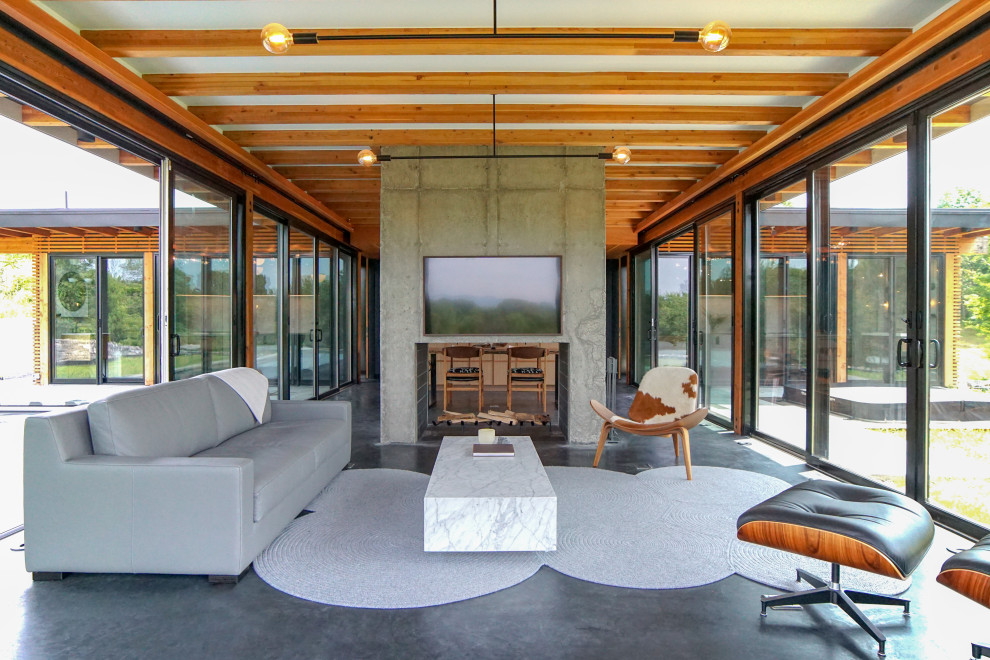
column 489, row 504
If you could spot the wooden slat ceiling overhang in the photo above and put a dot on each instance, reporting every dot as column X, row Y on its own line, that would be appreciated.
column 684, row 112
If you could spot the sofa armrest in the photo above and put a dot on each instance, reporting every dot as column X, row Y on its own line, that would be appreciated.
column 297, row 411
column 139, row 515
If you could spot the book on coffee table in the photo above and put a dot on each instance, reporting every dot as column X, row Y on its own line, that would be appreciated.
column 495, row 450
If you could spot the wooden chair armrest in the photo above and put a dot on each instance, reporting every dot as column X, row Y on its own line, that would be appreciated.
column 602, row 411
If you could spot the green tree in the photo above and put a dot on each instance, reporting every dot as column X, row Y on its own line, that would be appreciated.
column 16, row 280
column 974, row 267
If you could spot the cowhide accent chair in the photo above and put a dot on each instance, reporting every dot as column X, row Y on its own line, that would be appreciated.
column 665, row 405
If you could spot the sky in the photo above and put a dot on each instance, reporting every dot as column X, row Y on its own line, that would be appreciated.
column 535, row 279
column 43, row 172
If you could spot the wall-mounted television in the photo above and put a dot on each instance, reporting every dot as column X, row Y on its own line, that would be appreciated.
column 492, row 295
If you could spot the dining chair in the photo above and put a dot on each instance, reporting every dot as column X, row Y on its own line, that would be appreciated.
column 466, row 378
column 524, row 378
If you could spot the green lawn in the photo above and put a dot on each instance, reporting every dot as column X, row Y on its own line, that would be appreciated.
column 130, row 364
column 959, row 465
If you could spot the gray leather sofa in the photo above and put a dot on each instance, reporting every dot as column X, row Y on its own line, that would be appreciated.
column 174, row 478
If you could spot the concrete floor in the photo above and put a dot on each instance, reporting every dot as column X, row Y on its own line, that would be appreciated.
column 548, row 616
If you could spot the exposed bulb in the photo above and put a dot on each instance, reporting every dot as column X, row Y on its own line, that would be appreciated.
column 715, row 36
column 276, row 38
column 621, row 155
column 367, row 157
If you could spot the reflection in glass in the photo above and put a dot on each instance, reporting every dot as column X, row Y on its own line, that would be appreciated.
column 265, row 299
column 866, row 305
column 326, row 268
column 302, row 315
column 673, row 309
column 715, row 315
column 781, row 314
column 74, row 309
column 344, row 317
column 642, row 322
column 124, row 318
column 959, row 409
column 201, row 282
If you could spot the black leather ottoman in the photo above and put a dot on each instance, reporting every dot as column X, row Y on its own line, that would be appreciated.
column 968, row 572
column 866, row 528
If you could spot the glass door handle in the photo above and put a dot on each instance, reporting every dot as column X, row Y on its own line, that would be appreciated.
column 937, row 354
column 319, row 334
column 901, row 343
column 175, row 345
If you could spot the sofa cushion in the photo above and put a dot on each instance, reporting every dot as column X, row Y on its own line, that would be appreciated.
column 233, row 414
column 174, row 419
column 284, row 455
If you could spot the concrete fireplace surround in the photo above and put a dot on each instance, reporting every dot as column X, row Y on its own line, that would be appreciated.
column 504, row 207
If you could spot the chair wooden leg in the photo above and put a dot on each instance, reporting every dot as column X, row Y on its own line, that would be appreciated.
column 677, row 447
column 481, row 396
column 686, row 444
column 508, row 395
column 543, row 395
column 606, row 427
column 446, row 396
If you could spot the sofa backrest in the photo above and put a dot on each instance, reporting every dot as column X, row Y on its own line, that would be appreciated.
column 169, row 419
column 233, row 415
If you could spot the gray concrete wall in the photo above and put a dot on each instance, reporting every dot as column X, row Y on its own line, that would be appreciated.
column 478, row 207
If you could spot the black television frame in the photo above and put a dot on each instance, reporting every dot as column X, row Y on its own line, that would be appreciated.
column 560, row 295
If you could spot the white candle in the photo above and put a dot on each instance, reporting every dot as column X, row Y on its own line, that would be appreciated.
column 486, row 436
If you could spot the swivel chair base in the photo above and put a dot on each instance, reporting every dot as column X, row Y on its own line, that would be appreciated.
column 834, row 593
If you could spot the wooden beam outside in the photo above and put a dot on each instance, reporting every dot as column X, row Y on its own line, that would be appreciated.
column 940, row 29
column 448, row 113
column 824, row 42
column 476, row 137
column 495, row 82
column 31, row 116
column 637, row 196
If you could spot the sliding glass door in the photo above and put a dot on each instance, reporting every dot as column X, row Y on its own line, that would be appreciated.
column 863, row 292
column 644, row 319
column 98, row 318
column 714, row 317
column 782, row 314
column 325, row 310
column 957, row 437
column 201, row 290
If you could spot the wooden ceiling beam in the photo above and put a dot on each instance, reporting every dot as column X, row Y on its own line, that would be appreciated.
column 637, row 196
column 452, row 113
column 476, row 137
column 307, row 156
column 686, row 156
column 956, row 18
column 355, row 185
column 647, row 185
column 824, row 42
column 494, row 82
column 249, row 171
column 655, row 172
column 328, row 172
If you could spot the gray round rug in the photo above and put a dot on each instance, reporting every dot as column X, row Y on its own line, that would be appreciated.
column 363, row 544
column 363, row 547
column 612, row 529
